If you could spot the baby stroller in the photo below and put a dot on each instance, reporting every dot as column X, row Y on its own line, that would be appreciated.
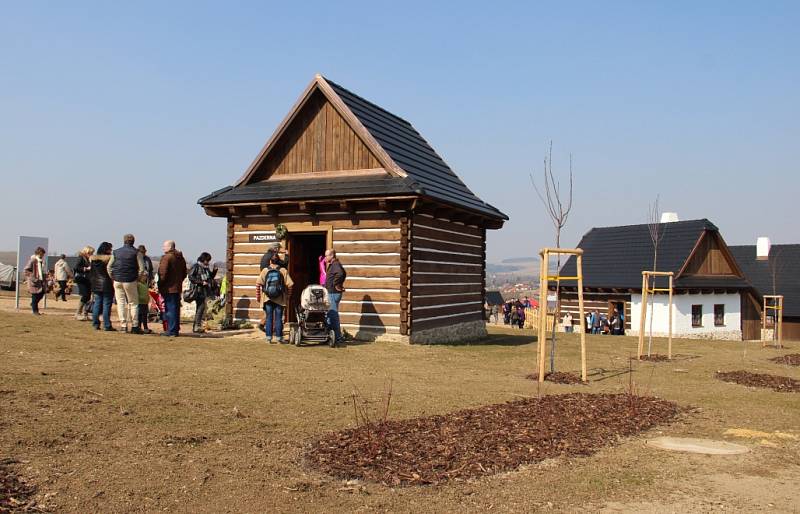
column 312, row 318
column 156, row 309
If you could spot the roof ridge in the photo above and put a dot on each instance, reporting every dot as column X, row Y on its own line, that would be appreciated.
column 705, row 221
column 372, row 104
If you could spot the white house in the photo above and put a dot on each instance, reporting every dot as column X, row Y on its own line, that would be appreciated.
column 712, row 297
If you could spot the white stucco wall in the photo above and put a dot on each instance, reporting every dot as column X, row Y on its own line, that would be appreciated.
column 682, row 315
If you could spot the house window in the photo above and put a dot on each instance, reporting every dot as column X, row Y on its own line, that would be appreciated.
column 719, row 315
column 697, row 315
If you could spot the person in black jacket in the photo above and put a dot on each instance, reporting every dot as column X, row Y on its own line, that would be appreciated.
column 267, row 257
column 202, row 280
column 102, row 286
column 334, row 283
column 82, row 269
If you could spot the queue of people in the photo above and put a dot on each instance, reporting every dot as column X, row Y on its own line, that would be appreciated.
column 514, row 312
column 126, row 276
column 597, row 323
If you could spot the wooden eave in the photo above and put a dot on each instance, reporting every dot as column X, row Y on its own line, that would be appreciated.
column 267, row 208
column 318, row 83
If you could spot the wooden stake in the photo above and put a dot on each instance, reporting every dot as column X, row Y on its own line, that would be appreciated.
column 642, row 316
column 669, row 351
column 544, row 282
column 583, row 317
column 542, row 309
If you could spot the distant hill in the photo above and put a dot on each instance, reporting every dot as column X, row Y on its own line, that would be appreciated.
column 501, row 268
column 515, row 260
column 9, row 258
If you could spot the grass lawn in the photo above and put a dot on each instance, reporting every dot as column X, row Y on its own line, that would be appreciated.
column 111, row 422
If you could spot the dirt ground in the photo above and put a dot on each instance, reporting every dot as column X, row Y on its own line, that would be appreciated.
column 112, row 422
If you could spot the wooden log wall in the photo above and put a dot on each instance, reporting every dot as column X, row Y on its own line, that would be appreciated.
column 448, row 276
column 370, row 251
column 594, row 301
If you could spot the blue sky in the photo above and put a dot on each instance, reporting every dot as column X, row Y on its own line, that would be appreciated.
column 117, row 117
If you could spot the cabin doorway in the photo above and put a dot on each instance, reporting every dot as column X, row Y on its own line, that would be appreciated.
column 619, row 306
column 304, row 249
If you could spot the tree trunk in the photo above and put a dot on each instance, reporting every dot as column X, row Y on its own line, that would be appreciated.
column 557, row 312
column 653, row 286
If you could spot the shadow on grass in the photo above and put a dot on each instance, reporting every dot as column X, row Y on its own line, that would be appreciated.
column 497, row 339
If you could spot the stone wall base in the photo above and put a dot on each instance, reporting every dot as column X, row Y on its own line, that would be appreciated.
column 377, row 336
column 457, row 333
column 726, row 335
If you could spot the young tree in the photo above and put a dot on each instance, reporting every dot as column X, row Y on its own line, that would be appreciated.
column 656, row 229
column 558, row 206
column 775, row 264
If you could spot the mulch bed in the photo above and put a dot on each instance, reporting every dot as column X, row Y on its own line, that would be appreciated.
column 15, row 495
column 486, row 440
column 792, row 359
column 653, row 357
column 774, row 382
column 557, row 377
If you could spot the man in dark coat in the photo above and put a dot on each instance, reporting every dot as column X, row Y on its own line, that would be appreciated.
column 171, row 273
column 334, row 283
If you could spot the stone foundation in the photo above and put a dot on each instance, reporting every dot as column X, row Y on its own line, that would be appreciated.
column 378, row 336
column 721, row 335
column 458, row 333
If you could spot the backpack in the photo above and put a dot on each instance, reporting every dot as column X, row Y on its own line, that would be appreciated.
column 273, row 284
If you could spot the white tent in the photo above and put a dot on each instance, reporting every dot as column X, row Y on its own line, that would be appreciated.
column 7, row 276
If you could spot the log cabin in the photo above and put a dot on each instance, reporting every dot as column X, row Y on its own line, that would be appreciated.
column 712, row 296
column 341, row 172
column 774, row 270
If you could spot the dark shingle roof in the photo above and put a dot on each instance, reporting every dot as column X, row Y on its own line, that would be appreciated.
column 413, row 154
column 310, row 189
column 494, row 298
column 614, row 257
column 428, row 174
column 786, row 261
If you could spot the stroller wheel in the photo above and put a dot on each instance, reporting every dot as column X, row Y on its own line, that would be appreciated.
column 332, row 339
column 295, row 337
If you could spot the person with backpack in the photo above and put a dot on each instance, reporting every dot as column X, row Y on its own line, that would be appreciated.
column 335, row 275
column 273, row 288
column 202, row 281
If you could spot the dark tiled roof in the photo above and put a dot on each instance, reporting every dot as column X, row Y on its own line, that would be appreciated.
column 786, row 261
column 413, row 154
column 614, row 257
column 428, row 174
column 494, row 298
column 310, row 189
